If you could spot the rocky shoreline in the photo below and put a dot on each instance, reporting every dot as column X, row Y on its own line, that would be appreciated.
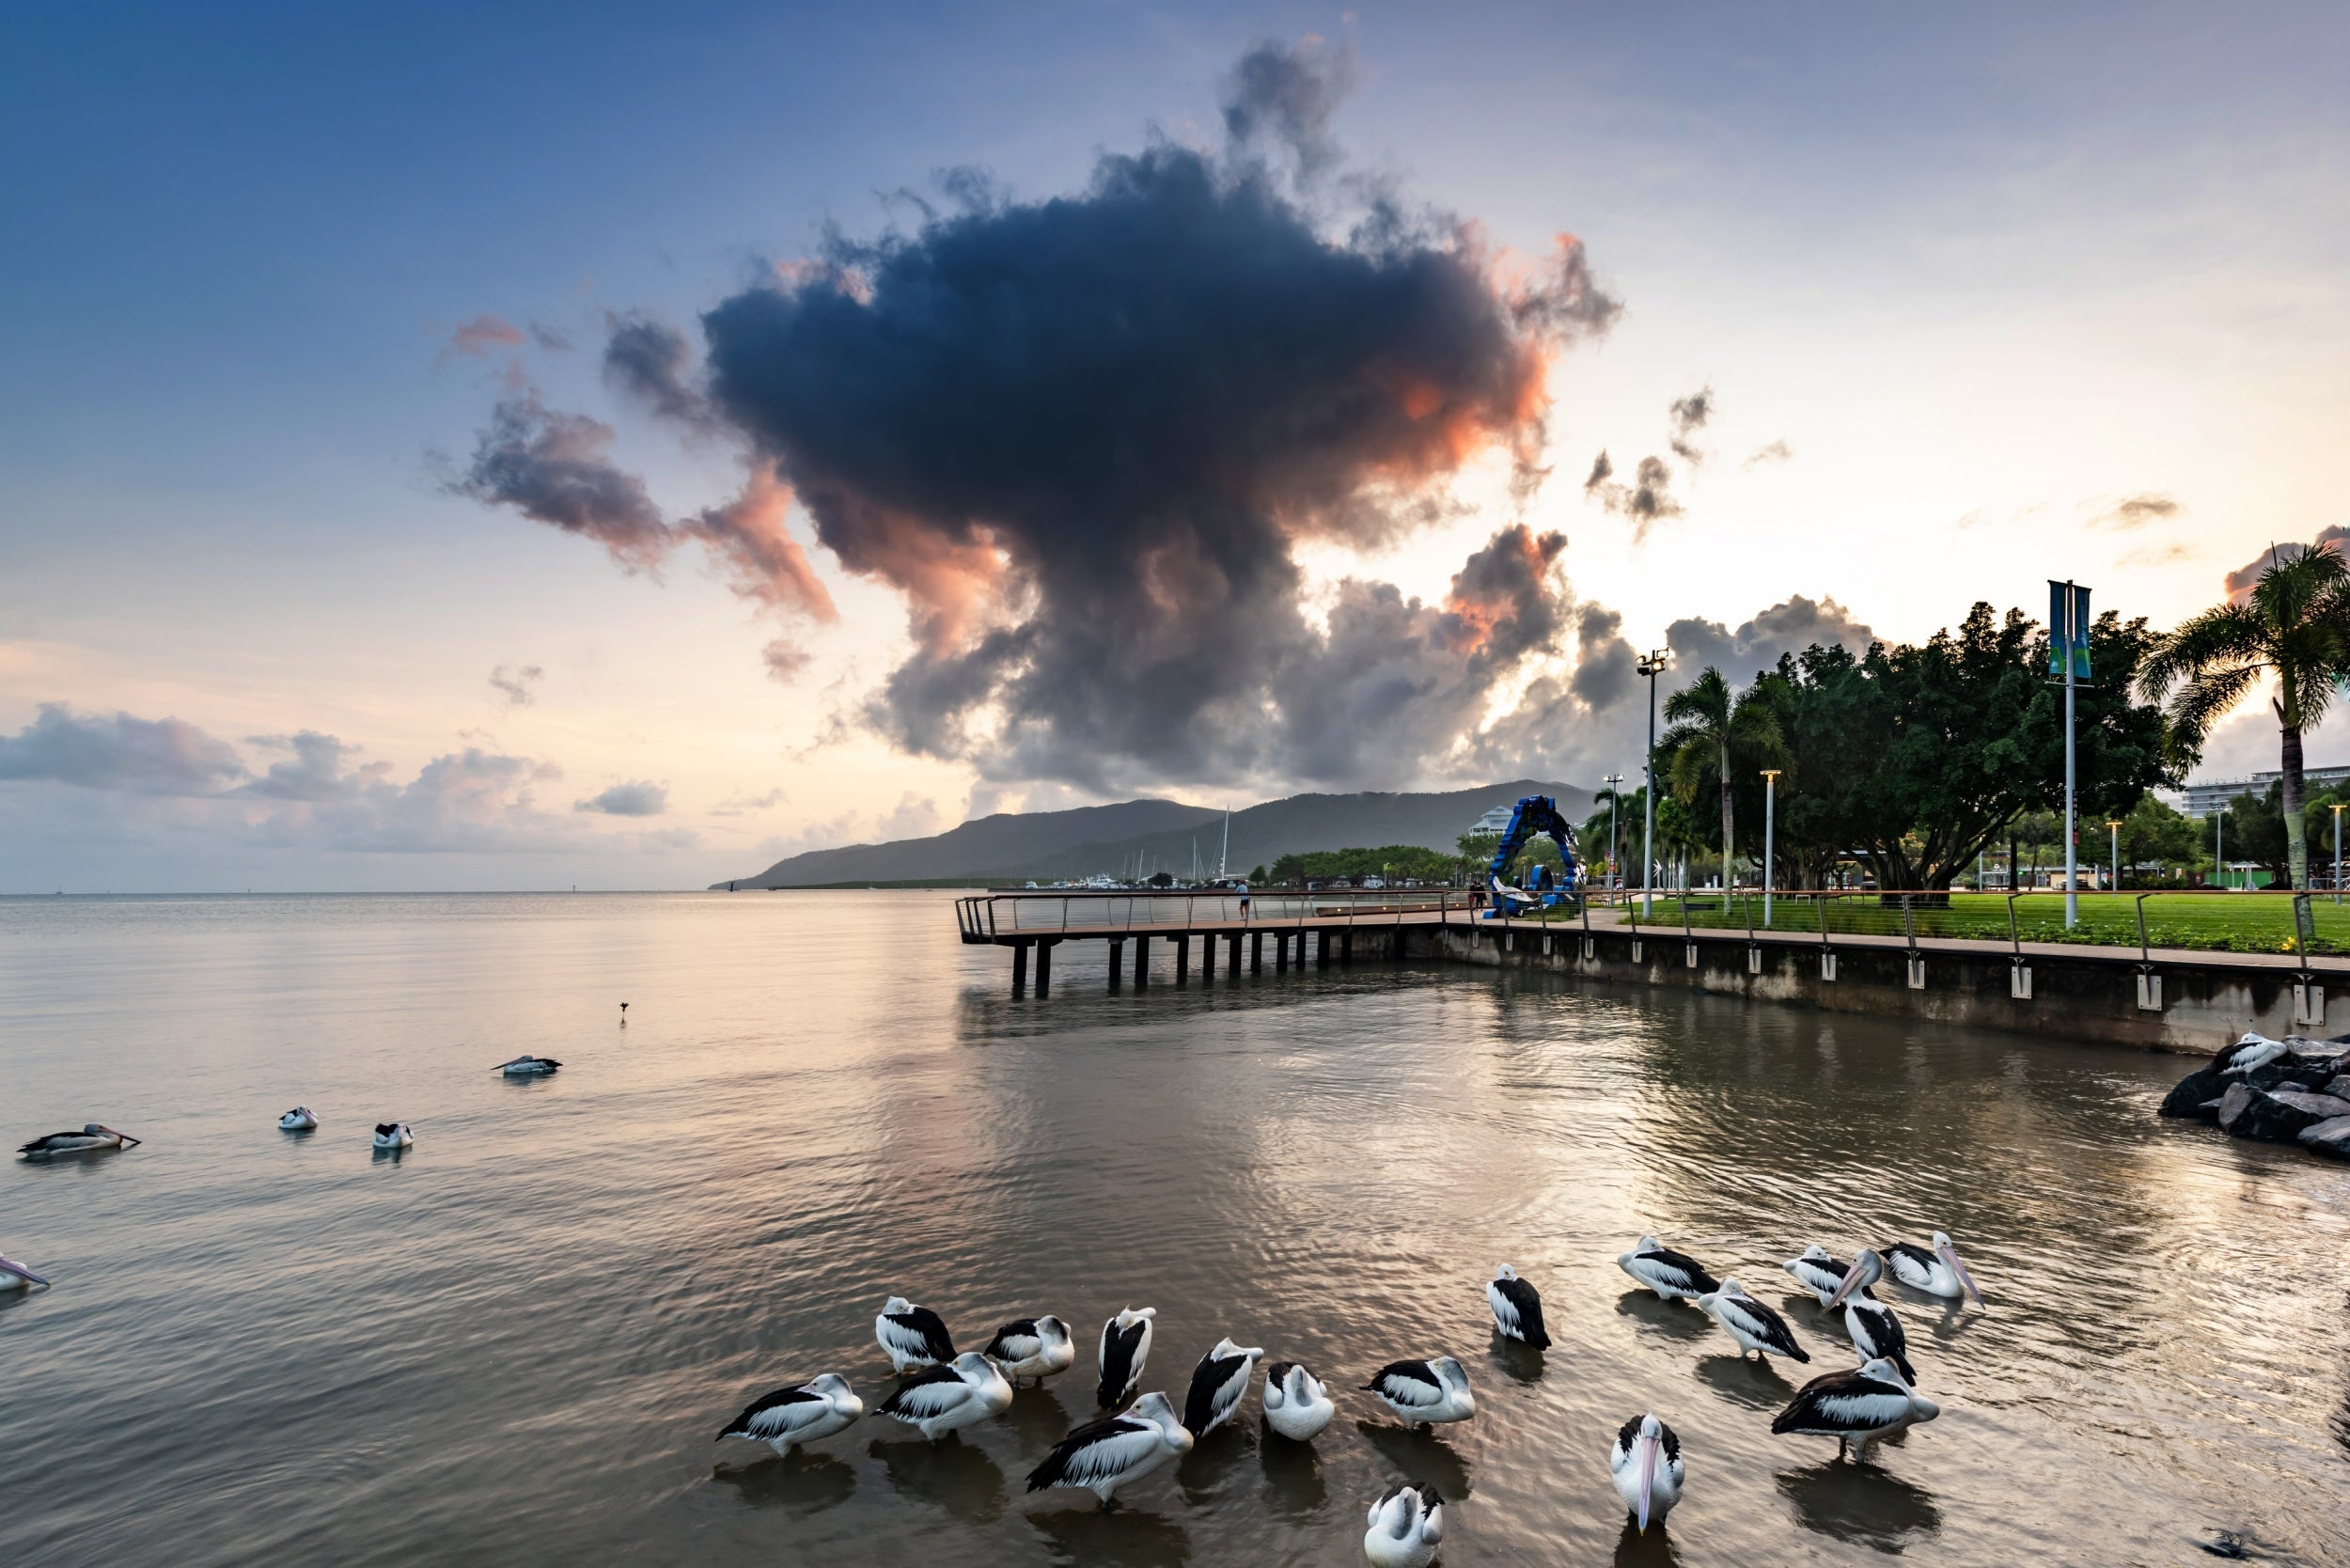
column 2290, row 1091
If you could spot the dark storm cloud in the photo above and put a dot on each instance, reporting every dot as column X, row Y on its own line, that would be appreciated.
column 1647, row 500
column 1284, row 95
column 1084, row 435
column 556, row 468
column 651, row 360
column 1787, row 627
column 2240, row 581
column 118, row 751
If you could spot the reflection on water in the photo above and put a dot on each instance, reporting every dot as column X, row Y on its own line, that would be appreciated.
column 521, row 1335
column 1650, row 1548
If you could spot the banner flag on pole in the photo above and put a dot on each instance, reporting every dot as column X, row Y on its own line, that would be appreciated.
column 2068, row 628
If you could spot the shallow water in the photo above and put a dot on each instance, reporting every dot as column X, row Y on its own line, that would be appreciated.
column 515, row 1343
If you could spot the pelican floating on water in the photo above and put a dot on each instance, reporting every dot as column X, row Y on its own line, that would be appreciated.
column 1425, row 1392
column 1125, row 1346
column 790, row 1417
column 1406, row 1527
column 1876, row 1333
column 1673, row 1276
column 1855, row 1407
column 1645, row 1461
column 528, row 1067
column 16, row 1277
column 1755, row 1326
column 1936, row 1271
column 302, row 1118
column 1818, row 1271
column 392, row 1135
column 1032, row 1347
column 913, row 1336
column 1517, row 1308
column 1296, row 1405
column 939, row 1400
column 94, row 1136
column 1219, row 1383
column 1103, row 1455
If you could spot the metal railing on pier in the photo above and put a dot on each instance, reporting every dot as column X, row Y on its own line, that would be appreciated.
column 1020, row 916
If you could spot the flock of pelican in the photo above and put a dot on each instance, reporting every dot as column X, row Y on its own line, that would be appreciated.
column 942, row 1391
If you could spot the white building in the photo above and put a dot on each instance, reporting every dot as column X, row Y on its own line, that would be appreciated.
column 2205, row 797
column 1494, row 822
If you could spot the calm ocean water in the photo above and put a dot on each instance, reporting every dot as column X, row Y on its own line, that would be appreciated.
column 515, row 1343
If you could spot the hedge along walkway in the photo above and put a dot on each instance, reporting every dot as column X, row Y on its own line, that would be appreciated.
column 2260, row 923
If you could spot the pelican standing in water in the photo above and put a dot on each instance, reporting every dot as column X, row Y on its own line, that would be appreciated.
column 1218, row 1384
column 1818, row 1271
column 1755, row 1326
column 16, row 1277
column 1645, row 1461
column 1876, row 1332
column 1125, row 1346
column 1103, row 1455
column 1935, row 1272
column 528, row 1067
column 94, row 1136
column 392, row 1135
column 1673, row 1276
column 790, row 1417
column 913, row 1336
column 943, row 1399
column 1406, row 1527
column 1032, row 1347
column 1424, row 1393
column 1296, row 1405
column 302, row 1118
column 1855, row 1407
column 1517, row 1308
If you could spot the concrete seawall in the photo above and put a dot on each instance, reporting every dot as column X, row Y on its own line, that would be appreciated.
column 2174, row 1004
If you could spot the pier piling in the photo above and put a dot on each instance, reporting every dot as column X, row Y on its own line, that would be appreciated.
column 1044, row 968
column 1183, row 960
column 1142, row 962
column 1118, row 960
column 1019, row 968
column 1256, row 952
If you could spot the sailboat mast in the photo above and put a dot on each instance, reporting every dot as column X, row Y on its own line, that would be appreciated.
column 1224, row 855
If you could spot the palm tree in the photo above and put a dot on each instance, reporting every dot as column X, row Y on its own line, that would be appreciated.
column 2294, row 628
column 1709, row 723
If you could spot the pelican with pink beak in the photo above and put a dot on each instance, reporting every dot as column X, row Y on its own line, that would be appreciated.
column 16, row 1277
column 96, row 1136
column 1646, row 1462
column 1936, row 1271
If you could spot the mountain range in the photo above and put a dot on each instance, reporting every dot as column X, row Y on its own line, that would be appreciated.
column 1138, row 836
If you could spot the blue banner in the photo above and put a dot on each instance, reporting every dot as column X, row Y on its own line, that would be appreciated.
column 2068, row 628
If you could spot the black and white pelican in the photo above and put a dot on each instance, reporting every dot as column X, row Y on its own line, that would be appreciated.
column 392, row 1135
column 1406, row 1527
column 1754, row 1325
column 1855, row 1407
column 1673, row 1276
column 1517, row 1308
column 16, row 1277
column 1125, row 1346
column 913, row 1336
column 528, row 1067
column 938, row 1400
column 1116, row 1450
column 1219, row 1383
column 302, row 1118
column 1296, row 1405
column 93, row 1137
column 1424, row 1393
column 1935, row 1271
column 1032, row 1347
column 1876, row 1333
column 2254, row 1050
column 1818, row 1271
column 790, row 1417
column 1645, row 1461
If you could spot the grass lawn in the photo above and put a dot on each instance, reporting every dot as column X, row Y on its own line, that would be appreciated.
column 2216, row 922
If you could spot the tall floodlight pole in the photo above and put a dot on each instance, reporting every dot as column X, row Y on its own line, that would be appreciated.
column 2068, row 646
column 1770, row 819
column 1615, row 841
column 1652, row 666
column 2336, row 852
column 2115, row 829
column 2218, row 845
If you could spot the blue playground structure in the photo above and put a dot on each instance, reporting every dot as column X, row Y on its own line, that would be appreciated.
column 1534, row 814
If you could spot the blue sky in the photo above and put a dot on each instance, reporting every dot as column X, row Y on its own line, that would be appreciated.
column 1985, row 274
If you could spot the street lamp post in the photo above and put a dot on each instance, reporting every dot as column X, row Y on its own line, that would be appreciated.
column 1652, row 666
column 2114, row 829
column 2219, row 846
column 1770, row 820
column 1615, row 843
column 2336, row 852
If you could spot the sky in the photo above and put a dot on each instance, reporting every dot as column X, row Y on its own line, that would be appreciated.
column 528, row 446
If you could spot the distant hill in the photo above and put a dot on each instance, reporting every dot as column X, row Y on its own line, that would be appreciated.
column 1158, row 834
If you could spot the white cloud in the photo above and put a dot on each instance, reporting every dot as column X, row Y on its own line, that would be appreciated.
column 635, row 797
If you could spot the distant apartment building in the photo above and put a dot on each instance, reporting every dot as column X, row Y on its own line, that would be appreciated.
column 1495, row 821
column 2202, row 799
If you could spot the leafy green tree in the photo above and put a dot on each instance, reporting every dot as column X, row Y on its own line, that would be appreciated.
column 2293, row 629
column 2156, row 837
column 1714, row 730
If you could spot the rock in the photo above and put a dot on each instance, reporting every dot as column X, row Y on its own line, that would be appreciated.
column 2324, row 1107
column 2330, row 1137
column 2282, row 1071
column 2248, row 1112
column 2188, row 1099
column 2339, row 1086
